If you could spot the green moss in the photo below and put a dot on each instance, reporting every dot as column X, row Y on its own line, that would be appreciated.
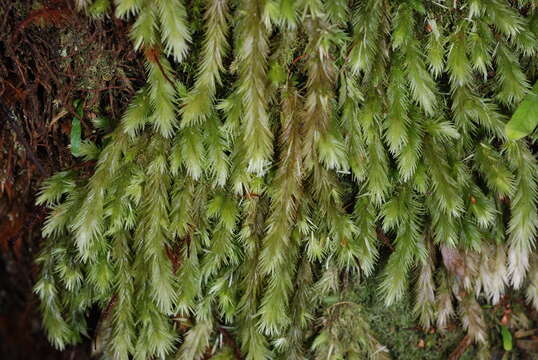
column 395, row 327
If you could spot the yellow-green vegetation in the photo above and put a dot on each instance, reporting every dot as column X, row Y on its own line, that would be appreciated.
column 255, row 183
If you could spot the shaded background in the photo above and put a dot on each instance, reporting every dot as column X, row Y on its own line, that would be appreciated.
column 50, row 56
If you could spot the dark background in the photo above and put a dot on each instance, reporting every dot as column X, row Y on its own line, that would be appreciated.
column 50, row 56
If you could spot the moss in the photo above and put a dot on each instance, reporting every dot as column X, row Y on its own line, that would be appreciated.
column 94, row 66
column 395, row 327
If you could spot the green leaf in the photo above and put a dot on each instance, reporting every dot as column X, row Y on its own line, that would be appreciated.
column 331, row 300
column 76, row 130
column 507, row 338
column 525, row 118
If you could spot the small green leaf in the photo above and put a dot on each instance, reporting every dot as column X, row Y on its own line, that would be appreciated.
column 525, row 118
column 75, row 136
column 507, row 338
column 331, row 300
column 76, row 129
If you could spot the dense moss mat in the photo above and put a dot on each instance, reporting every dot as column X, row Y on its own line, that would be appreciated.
column 396, row 328
column 260, row 174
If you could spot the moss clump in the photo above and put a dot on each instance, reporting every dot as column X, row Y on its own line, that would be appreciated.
column 396, row 327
